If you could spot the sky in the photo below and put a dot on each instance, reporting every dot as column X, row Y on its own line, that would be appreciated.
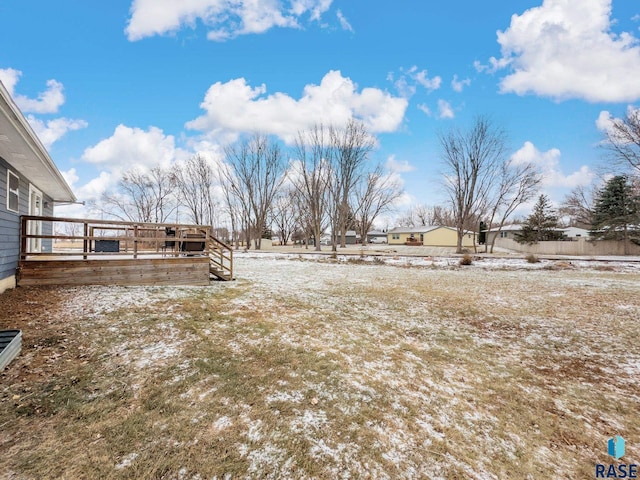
column 108, row 86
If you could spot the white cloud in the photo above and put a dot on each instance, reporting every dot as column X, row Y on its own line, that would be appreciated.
column 126, row 149
column 397, row 166
column 404, row 200
column 566, row 49
column 235, row 107
column 494, row 65
column 70, row 176
column 225, row 18
column 604, row 122
column 344, row 23
column 9, row 78
column 421, row 78
column 409, row 81
column 424, row 108
column 458, row 85
column 94, row 189
column 133, row 147
column 549, row 164
column 404, row 88
column 51, row 131
column 445, row 110
column 48, row 101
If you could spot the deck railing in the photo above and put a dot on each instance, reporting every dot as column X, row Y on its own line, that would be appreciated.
column 58, row 238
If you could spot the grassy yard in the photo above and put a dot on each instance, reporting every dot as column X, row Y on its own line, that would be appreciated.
column 327, row 369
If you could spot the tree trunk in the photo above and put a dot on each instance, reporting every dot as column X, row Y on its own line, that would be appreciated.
column 626, row 240
column 460, row 234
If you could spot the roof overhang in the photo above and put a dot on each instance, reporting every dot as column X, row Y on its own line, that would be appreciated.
column 21, row 148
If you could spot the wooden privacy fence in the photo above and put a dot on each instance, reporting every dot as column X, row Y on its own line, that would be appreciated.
column 106, row 250
column 581, row 246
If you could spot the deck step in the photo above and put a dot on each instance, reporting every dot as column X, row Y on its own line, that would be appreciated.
column 220, row 274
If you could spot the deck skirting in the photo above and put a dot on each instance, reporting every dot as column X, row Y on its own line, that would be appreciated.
column 154, row 271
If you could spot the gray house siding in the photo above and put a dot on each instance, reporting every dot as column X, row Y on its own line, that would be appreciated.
column 10, row 222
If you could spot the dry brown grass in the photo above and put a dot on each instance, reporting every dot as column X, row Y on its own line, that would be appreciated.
column 321, row 370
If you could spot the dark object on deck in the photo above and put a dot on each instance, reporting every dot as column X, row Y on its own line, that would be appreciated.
column 10, row 344
column 170, row 242
column 192, row 242
column 108, row 246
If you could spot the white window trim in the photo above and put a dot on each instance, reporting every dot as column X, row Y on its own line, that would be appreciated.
column 9, row 191
column 33, row 190
column 35, row 227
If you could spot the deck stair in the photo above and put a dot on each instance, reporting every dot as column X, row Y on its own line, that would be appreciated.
column 220, row 259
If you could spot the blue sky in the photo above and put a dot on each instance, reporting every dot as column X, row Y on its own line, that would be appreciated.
column 110, row 85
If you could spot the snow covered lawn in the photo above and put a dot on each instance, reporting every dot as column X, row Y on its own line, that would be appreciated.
column 312, row 367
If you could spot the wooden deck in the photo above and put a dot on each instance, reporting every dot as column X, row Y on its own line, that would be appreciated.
column 97, row 252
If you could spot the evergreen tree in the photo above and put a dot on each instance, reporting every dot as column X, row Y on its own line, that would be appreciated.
column 617, row 212
column 541, row 225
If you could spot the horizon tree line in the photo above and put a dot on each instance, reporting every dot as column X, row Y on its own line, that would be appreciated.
column 326, row 181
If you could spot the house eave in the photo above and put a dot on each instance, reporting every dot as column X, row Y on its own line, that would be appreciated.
column 23, row 151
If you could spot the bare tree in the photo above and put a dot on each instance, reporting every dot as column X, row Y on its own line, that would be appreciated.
column 623, row 140
column 235, row 207
column 416, row 216
column 141, row 197
column 254, row 175
column 420, row 215
column 69, row 229
column 283, row 215
column 443, row 216
column 471, row 161
column 350, row 148
column 195, row 181
column 514, row 185
column 578, row 205
column 375, row 195
column 310, row 176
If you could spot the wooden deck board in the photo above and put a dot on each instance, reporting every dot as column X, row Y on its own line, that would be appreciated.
column 169, row 271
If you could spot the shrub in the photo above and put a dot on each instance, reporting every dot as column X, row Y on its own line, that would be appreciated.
column 531, row 258
column 466, row 259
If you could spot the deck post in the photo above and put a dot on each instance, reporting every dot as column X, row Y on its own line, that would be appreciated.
column 85, row 242
column 23, row 238
column 135, row 241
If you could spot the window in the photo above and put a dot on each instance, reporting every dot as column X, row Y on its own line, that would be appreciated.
column 13, row 191
column 503, row 234
column 395, row 236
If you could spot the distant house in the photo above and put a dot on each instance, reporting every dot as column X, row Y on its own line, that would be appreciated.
column 428, row 235
column 507, row 231
column 575, row 233
column 511, row 232
column 30, row 183
column 351, row 237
